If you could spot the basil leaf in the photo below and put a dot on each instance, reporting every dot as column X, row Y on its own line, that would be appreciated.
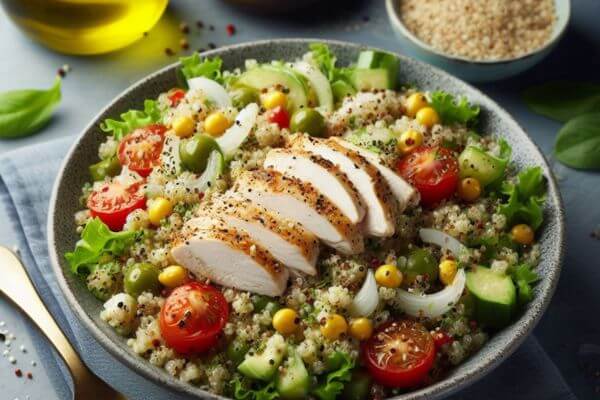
column 22, row 112
column 563, row 100
column 578, row 142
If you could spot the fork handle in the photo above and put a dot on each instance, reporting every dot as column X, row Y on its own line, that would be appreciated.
column 19, row 288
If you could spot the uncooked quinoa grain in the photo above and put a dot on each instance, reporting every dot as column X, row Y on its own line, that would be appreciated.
column 482, row 29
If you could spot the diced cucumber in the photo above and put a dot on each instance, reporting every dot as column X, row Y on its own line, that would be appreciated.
column 267, row 76
column 368, row 79
column 494, row 294
column 373, row 141
column 376, row 59
column 293, row 381
column 264, row 365
column 342, row 89
column 476, row 163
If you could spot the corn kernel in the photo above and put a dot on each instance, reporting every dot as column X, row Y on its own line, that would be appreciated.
column 410, row 140
column 469, row 189
column 216, row 123
column 173, row 276
column 361, row 328
column 428, row 117
column 274, row 99
column 159, row 209
column 184, row 126
column 414, row 103
column 285, row 321
column 522, row 234
column 388, row 276
column 334, row 326
column 448, row 269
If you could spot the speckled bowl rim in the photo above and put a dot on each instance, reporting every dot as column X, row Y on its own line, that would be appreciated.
column 464, row 375
column 396, row 21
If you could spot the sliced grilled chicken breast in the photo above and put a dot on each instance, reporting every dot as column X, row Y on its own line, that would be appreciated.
column 289, row 242
column 301, row 202
column 324, row 175
column 210, row 248
column 402, row 190
column 374, row 190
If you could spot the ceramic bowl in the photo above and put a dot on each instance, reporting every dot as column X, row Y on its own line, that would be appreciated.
column 73, row 174
column 477, row 71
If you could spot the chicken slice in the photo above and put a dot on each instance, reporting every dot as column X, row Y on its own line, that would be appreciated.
column 324, row 175
column 402, row 190
column 301, row 202
column 374, row 190
column 289, row 242
column 210, row 248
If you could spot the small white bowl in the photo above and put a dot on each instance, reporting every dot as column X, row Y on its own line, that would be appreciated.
column 472, row 70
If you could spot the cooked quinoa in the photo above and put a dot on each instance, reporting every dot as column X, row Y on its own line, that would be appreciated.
column 135, row 270
column 482, row 29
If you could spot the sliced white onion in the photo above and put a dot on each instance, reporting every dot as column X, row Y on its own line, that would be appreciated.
column 127, row 177
column 367, row 298
column 212, row 90
column 432, row 305
column 239, row 131
column 319, row 82
column 443, row 240
column 214, row 167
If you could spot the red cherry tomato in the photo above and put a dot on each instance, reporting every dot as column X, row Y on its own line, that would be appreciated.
column 399, row 354
column 192, row 317
column 113, row 202
column 433, row 171
column 140, row 150
column 280, row 116
column 175, row 96
column 441, row 338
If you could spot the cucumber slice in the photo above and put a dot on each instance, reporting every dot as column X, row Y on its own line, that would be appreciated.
column 370, row 59
column 293, row 381
column 319, row 83
column 495, row 296
column 342, row 89
column 476, row 163
column 267, row 76
column 264, row 365
column 369, row 79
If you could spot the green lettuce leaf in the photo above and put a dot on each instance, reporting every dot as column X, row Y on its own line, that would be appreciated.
column 242, row 390
column 194, row 66
column 333, row 384
column 524, row 277
column 454, row 111
column 132, row 119
column 326, row 60
column 96, row 241
column 526, row 198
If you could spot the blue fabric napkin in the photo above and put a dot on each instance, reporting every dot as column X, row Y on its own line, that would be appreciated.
column 25, row 188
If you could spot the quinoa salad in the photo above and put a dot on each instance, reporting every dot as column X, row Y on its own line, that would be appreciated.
column 300, row 229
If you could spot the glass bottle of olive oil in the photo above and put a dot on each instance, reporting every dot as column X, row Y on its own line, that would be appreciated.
column 85, row 26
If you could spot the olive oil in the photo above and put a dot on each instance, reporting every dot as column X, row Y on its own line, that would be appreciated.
column 85, row 26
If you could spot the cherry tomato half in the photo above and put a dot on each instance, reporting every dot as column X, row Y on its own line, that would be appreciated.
column 399, row 354
column 192, row 317
column 112, row 202
column 140, row 150
column 175, row 96
column 280, row 116
column 433, row 171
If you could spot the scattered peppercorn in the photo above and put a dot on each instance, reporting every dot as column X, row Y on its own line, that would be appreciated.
column 184, row 44
column 211, row 27
column 201, row 50
column 211, row 45
column 199, row 24
column 184, row 28
column 145, row 34
column 230, row 29
column 169, row 51
column 29, row 375
column 18, row 372
column 2, row 337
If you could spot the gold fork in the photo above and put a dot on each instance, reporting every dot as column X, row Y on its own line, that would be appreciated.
column 17, row 286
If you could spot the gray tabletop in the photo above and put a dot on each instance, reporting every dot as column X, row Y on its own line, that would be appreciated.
column 572, row 319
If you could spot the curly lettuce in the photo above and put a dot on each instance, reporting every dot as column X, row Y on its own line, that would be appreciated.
column 132, row 119
column 525, row 198
column 333, row 383
column 194, row 66
column 242, row 390
column 524, row 277
column 97, row 240
column 454, row 111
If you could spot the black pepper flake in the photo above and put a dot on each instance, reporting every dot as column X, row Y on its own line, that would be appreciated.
column 2, row 337
column 211, row 27
column 29, row 375
column 199, row 24
column 184, row 28
column 211, row 45
column 169, row 51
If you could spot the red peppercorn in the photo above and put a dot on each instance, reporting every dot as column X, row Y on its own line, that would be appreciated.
column 18, row 372
column 230, row 29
